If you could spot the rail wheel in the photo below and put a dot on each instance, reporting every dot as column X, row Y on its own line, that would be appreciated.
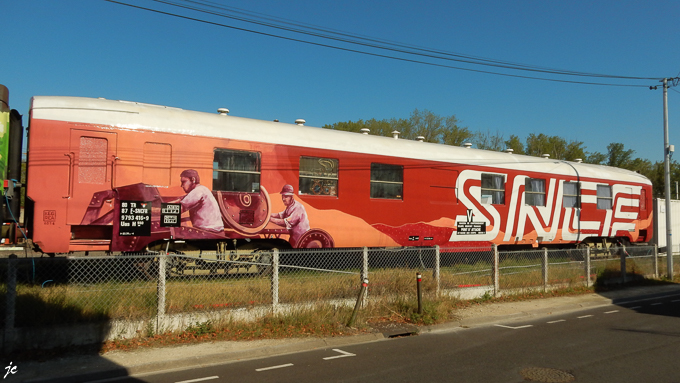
column 261, row 255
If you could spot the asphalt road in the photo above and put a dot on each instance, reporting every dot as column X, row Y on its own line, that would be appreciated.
column 630, row 342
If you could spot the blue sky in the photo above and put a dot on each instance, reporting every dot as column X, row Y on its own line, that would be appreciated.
column 95, row 48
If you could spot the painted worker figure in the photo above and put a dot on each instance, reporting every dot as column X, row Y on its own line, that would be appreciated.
column 294, row 218
column 200, row 202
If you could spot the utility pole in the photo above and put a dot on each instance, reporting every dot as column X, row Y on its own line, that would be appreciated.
column 668, row 151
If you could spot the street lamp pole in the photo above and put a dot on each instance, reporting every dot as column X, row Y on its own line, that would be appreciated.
column 668, row 151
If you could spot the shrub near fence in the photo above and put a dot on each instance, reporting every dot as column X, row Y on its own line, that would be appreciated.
column 57, row 291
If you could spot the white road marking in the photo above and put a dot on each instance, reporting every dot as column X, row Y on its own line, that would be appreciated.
column 656, row 304
column 345, row 354
column 585, row 316
column 514, row 328
column 557, row 321
column 199, row 379
column 675, row 300
column 273, row 367
column 611, row 312
column 634, row 308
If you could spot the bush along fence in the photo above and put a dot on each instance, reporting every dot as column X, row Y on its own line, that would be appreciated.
column 51, row 302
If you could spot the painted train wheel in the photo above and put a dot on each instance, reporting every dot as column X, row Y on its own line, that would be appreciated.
column 315, row 239
column 244, row 198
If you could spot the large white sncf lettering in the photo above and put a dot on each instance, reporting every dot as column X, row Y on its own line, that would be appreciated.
column 543, row 218
column 550, row 222
column 469, row 193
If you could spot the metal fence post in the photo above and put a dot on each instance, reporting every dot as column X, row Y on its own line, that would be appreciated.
column 496, row 276
column 419, row 279
column 160, row 287
column 8, row 339
column 622, row 251
column 545, row 269
column 588, row 281
column 275, row 280
column 437, row 280
column 364, row 273
column 656, row 261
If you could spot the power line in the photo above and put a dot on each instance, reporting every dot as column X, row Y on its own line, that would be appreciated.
column 301, row 28
column 402, row 58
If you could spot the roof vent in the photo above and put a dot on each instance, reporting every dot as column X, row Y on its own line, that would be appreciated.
column 365, row 130
column 467, row 145
column 223, row 111
column 395, row 134
column 546, row 155
column 509, row 150
column 300, row 121
column 276, row 120
column 420, row 138
column 579, row 160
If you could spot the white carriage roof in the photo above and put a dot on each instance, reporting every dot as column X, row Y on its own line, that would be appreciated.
column 146, row 117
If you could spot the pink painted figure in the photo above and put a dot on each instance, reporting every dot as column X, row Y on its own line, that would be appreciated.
column 200, row 202
column 294, row 218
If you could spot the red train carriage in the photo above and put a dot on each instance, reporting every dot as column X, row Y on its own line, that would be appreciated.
column 123, row 176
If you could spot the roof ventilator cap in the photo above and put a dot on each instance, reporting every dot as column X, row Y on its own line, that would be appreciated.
column 300, row 121
column 420, row 138
column 395, row 134
column 365, row 130
column 223, row 111
column 467, row 145
column 546, row 155
column 509, row 150
column 579, row 160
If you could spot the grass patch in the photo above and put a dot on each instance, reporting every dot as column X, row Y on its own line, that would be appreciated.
column 321, row 321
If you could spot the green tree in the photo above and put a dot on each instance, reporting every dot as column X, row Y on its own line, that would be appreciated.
column 540, row 144
column 426, row 124
column 453, row 134
column 379, row 127
column 537, row 144
column 618, row 157
column 431, row 126
column 557, row 147
column 642, row 166
column 595, row 158
column 515, row 144
column 349, row 126
column 574, row 151
column 488, row 141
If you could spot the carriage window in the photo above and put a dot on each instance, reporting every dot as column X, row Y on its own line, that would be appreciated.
column 570, row 195
column 493, row 189
column 92, row 160
column 236, row 170
column 387, row 181
column 319, row 176
column 534, row 192
column 604, row 197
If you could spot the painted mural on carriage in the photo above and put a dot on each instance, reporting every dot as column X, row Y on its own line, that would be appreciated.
column 227, row 182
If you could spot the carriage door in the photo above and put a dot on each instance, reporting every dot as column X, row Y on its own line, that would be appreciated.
column 92, row 157
column 631, row 203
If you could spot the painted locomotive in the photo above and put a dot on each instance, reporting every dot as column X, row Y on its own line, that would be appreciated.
column 121, row 176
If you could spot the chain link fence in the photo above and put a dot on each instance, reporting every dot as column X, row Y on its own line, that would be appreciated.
column 85, row 289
